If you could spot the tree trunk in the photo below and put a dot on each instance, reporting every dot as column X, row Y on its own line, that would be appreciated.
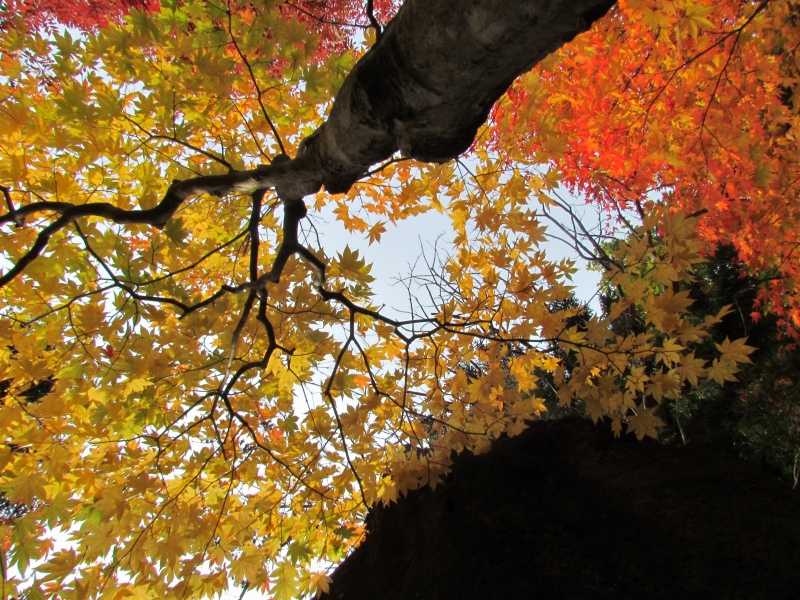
column 566, row 512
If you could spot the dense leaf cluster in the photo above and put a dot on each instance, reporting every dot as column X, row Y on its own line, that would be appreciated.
column 198, row 393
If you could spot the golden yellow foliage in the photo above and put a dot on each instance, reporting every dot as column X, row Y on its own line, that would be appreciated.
column 205, row 422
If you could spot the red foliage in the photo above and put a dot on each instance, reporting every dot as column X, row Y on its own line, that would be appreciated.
column 81, row 14
column 691, row 104
column 338, row 21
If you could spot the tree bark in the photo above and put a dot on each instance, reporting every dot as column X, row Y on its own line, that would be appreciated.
column 429, row 83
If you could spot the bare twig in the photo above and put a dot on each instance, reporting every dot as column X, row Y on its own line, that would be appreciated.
column 12, row 213
column 321, row 20
column 254, row 81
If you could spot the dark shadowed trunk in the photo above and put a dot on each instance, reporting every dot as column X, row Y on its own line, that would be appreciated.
column 564, row 512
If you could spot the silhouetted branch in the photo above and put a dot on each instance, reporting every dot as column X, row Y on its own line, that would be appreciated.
column 372, row 20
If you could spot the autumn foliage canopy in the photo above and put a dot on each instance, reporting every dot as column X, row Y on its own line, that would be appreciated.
column 691, row 105
column 186, row 407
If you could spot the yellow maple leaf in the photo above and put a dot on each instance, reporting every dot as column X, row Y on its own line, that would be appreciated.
column 644, row 423
column 735, row 351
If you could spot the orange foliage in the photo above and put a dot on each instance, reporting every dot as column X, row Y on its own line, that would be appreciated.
column 690, row 103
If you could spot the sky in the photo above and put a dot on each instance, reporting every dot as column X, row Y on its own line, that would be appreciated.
column 401, row 247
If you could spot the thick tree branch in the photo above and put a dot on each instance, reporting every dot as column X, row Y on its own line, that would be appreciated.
column 432, row 77
column 424, row 88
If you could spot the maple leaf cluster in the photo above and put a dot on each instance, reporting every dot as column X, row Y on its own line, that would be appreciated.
column 195, row 394
column 692, row 104
column 336, row 22
column 84, row 14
